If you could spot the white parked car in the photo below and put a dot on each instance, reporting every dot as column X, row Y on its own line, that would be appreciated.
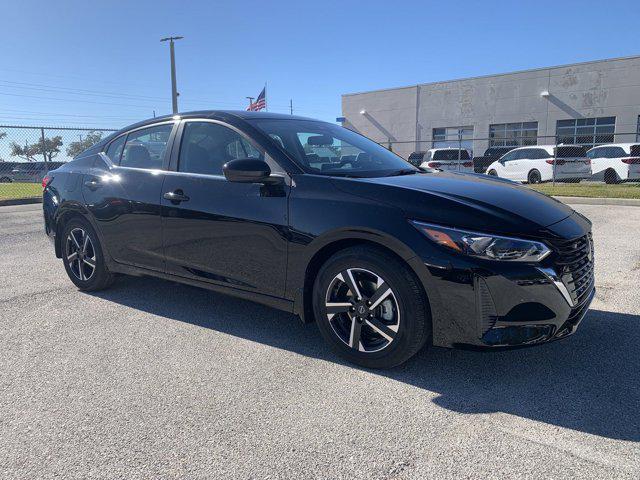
column 448, row 160
column 534, row 164
column 615, row 162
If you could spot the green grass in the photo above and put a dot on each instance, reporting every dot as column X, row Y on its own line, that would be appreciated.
column 584, row 189
column 10, row 191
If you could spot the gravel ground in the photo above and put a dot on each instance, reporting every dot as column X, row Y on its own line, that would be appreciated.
column 152, row 379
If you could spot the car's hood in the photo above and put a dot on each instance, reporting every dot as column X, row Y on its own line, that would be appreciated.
column 468, row 201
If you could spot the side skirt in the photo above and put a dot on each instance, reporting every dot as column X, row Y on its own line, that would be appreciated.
column 273, row 302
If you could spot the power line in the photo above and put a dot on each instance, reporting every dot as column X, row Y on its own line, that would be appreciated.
column 52, row 114
column 76, row 100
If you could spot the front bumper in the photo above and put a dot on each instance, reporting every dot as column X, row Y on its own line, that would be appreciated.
column 510, row 306
column 490, row 304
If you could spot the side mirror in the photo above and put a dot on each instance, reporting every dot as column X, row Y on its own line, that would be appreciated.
column 247, row 170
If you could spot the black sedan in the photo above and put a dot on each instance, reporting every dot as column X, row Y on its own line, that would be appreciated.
column 315, row 219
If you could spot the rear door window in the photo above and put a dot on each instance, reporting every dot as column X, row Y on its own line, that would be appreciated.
column 115, row 149
column 617, row 152
column 145, row 148
column 541, row 153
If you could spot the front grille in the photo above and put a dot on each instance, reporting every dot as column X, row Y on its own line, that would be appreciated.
column 574, row 265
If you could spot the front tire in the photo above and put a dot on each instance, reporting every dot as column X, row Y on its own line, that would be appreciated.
column 83, row 258
column 371, row 308
column 492, row 173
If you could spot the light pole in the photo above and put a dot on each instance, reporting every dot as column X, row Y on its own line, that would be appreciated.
column 174, row 88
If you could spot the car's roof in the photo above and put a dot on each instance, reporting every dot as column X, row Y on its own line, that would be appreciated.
column 445, row 148
column 211, row 114
column 623, row 145
column 528, row 147
column 220, row 114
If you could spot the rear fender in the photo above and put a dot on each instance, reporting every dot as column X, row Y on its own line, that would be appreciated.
column 72, row 209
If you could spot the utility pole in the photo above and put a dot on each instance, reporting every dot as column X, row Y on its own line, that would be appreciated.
column 174, row 88
column 250, row 100
column 291, row 107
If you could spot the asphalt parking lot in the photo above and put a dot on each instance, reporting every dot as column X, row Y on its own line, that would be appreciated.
column 152, row 379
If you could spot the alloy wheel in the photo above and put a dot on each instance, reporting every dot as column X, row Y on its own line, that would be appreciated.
column 80, row 254
column 362, row 310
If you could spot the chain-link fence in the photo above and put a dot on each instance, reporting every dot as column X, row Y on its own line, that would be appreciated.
column 586, row 161
column 28, row 153
column 607, row 164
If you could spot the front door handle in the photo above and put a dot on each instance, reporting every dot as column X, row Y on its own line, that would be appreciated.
column 176, row 197
column 93, row 184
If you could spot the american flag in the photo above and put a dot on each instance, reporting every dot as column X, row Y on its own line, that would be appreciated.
column 260, row 103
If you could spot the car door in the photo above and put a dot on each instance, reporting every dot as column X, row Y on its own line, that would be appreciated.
column 227, row 233
column 124, row 196
column 598, row 157
column 510, row 164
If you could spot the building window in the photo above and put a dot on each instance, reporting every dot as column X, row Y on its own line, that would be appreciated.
column 513, row 134
column 453, row 137
column 586, row 131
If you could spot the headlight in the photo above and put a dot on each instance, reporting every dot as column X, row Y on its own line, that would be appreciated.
column 484, row 245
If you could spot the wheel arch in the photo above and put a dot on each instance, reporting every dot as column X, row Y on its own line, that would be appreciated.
column 613, row 170
column 66, row 212
column 531, row 170
column 303, row 303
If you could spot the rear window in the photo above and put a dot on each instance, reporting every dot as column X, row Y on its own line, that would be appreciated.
column 417, row 156
column 451, row 155
column 496, row 152
column 571, row 151
column 635, row 150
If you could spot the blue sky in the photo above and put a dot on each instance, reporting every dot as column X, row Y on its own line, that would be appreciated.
column 102, row 65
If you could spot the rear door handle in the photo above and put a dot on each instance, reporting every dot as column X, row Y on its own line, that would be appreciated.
column 176, row 196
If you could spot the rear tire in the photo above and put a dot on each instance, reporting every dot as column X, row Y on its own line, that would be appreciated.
column 83, row 258
column 534, row 177
column 611, row 177
column 5, row 180
column 492, row 173
column 387, row 324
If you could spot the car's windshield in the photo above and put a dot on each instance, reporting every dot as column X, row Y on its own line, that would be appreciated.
column 326, row 149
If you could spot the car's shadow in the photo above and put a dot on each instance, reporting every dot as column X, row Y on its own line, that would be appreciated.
column 589, row 382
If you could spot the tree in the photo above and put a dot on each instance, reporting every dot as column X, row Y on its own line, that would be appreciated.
column 76, row 148
column 46, row 147
column 25, row 152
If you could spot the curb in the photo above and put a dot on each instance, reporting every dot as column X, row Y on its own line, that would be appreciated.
column 628, row 202
column 20, row 201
